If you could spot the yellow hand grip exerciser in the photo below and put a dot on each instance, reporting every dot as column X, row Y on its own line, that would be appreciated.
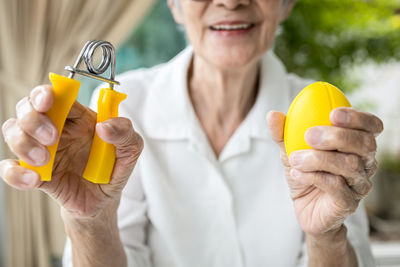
column 102, row 155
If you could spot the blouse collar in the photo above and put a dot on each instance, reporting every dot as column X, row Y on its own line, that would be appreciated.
column 169, row 113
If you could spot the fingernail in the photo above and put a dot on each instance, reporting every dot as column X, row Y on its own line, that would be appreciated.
column 37, row 155
column 28, row 178
column 341, row 116
column 295, row 173
column 23, row 107
column 314, row 136
column 38, row 95
column 296, row 159
column 44, row 133
column 108, row 126
column 7, row 124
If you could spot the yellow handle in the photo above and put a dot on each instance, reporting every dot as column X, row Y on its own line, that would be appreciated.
column 65, row 92
column 102, row 155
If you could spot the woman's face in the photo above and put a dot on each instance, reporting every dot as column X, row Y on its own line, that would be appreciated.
column 230, row 33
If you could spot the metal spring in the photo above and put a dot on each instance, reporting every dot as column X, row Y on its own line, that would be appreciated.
column 87, row 55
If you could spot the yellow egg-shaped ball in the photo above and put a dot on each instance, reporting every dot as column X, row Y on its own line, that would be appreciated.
column 311, row 107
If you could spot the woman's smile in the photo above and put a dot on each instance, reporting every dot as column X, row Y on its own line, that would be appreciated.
column 229, row 34
column 231, row 28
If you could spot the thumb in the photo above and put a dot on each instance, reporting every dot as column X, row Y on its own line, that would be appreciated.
column 276, row 125
column 128, row 146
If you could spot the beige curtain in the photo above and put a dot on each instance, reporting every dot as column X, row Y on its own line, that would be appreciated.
column 38, row 36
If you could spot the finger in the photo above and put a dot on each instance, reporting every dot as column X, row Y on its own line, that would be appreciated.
column 371, row 168
column 23, row 145
column 42, row 97
column 334, row 185
column 341, row 139
column 276, row 125
column 353, row 119
column 349, row 166
column 18, row 177
column 128, row 144
column 36, row 124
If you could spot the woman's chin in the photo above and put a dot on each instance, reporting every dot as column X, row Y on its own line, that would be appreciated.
column 231, row 62
column 232, row 57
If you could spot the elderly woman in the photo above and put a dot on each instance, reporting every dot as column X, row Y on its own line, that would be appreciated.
column 199, row 182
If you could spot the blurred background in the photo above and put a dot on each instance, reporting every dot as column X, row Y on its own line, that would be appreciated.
column 352, row 44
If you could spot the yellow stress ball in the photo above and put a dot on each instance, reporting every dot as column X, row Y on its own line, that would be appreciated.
column 311, row 107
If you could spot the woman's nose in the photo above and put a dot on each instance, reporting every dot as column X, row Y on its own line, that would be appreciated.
column 231, row 4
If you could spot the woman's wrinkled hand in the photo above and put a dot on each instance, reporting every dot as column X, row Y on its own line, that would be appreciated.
column 28, row 135
column 328, row 181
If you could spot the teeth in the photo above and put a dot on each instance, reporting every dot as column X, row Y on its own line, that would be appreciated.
column 231, row 27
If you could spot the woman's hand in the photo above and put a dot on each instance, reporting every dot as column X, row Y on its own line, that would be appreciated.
column 328, row 181
column 29, row 133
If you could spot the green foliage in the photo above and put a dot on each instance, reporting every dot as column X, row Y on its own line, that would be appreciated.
column 390, row 163
column 322, row 39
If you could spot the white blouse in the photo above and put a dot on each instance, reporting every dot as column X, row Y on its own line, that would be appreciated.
column 183, row 207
